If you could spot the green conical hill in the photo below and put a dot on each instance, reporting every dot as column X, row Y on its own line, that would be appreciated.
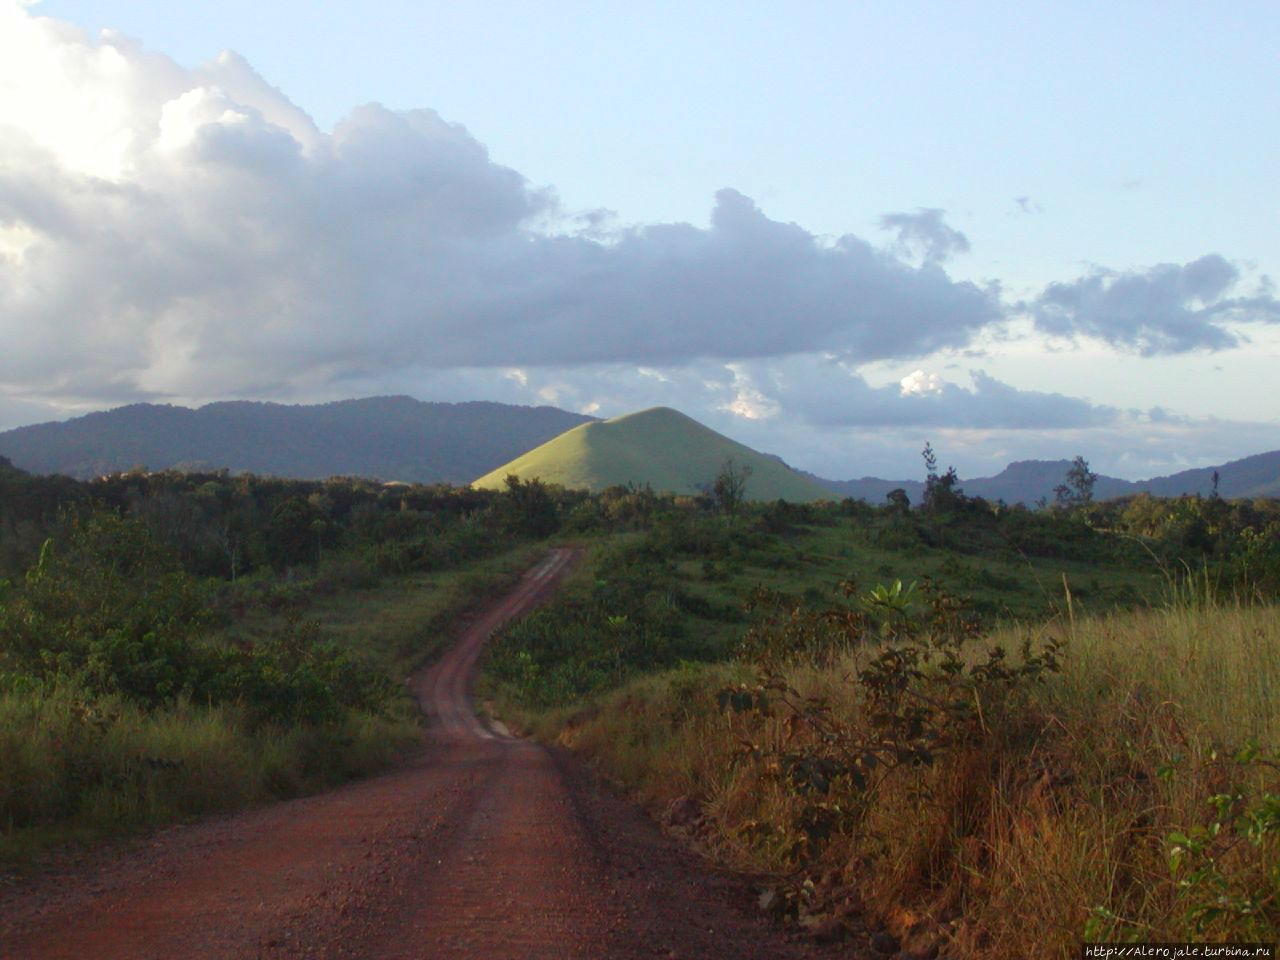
column 660, row 447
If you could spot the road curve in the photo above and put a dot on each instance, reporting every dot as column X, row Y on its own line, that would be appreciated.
column 483, row 847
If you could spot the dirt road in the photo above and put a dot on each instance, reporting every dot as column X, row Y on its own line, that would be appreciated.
column 484, row 847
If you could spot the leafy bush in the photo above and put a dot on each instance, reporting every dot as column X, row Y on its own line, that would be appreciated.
column 110, row 610
column 592, row 640
column 920, row 691
column 1218, row 897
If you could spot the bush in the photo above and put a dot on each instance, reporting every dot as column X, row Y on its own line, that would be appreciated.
column 592, row 639
column 112, row 612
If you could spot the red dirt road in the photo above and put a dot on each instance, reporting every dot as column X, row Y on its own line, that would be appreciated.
column 483, row 847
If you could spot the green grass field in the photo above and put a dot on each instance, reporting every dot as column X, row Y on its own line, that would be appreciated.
column 816, row 681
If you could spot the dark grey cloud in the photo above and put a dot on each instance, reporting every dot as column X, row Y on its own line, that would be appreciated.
column 925, row 234
column 1170, row 308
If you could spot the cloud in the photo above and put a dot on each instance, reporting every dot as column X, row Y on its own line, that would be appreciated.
column 920, row 384
column 1130, row 446
column 18, row 413
column 749, row 401
column 842, row 397
column 925, row 234
column 1170, row 308
column 814, row 389
column 167, row 232
column 190, row 234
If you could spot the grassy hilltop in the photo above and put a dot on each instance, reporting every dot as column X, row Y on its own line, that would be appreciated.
column 660, row 447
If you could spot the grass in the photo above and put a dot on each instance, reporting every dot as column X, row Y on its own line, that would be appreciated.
column 399, row 622
column 81, row 769
column 811, row 563
column 1216, row 665
column 1062, row 822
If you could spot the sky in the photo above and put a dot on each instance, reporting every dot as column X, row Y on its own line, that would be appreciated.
column 832, row 231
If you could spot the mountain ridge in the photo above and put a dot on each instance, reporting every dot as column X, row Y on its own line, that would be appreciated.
column 393, row 438
column 401, row 438
column 1026, row 481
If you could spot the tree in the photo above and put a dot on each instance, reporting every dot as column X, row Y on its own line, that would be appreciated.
column 1078, row 490
column 729, row 489
column 109, row 605
column 530, row 508
column 941, row 493
column 225, row 537
column 290, row 533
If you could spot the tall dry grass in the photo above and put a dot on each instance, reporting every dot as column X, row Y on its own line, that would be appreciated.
column 1059, row 825
column 77, row 767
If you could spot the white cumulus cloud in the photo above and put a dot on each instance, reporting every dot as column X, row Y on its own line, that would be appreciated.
column 167, row 231
column 920, row 384
column 190, row 233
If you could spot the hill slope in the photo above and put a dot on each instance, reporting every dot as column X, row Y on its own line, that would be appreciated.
column 1256, row 476
column 660, row 447
column 8, row 470
column 393, row 438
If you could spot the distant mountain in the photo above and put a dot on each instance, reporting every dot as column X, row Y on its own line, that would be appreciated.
column 1026, row 481
column 870, row 489
column 392, row 438
column 1256, row 476
column 399, row 438
column 660, row 447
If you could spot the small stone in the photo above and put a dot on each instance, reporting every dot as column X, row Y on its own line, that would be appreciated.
column 769, row 900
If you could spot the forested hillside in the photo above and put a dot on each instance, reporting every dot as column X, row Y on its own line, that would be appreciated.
column 391, row 438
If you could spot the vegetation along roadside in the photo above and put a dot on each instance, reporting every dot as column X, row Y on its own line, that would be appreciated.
column 990, row 731
column 178, row 644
